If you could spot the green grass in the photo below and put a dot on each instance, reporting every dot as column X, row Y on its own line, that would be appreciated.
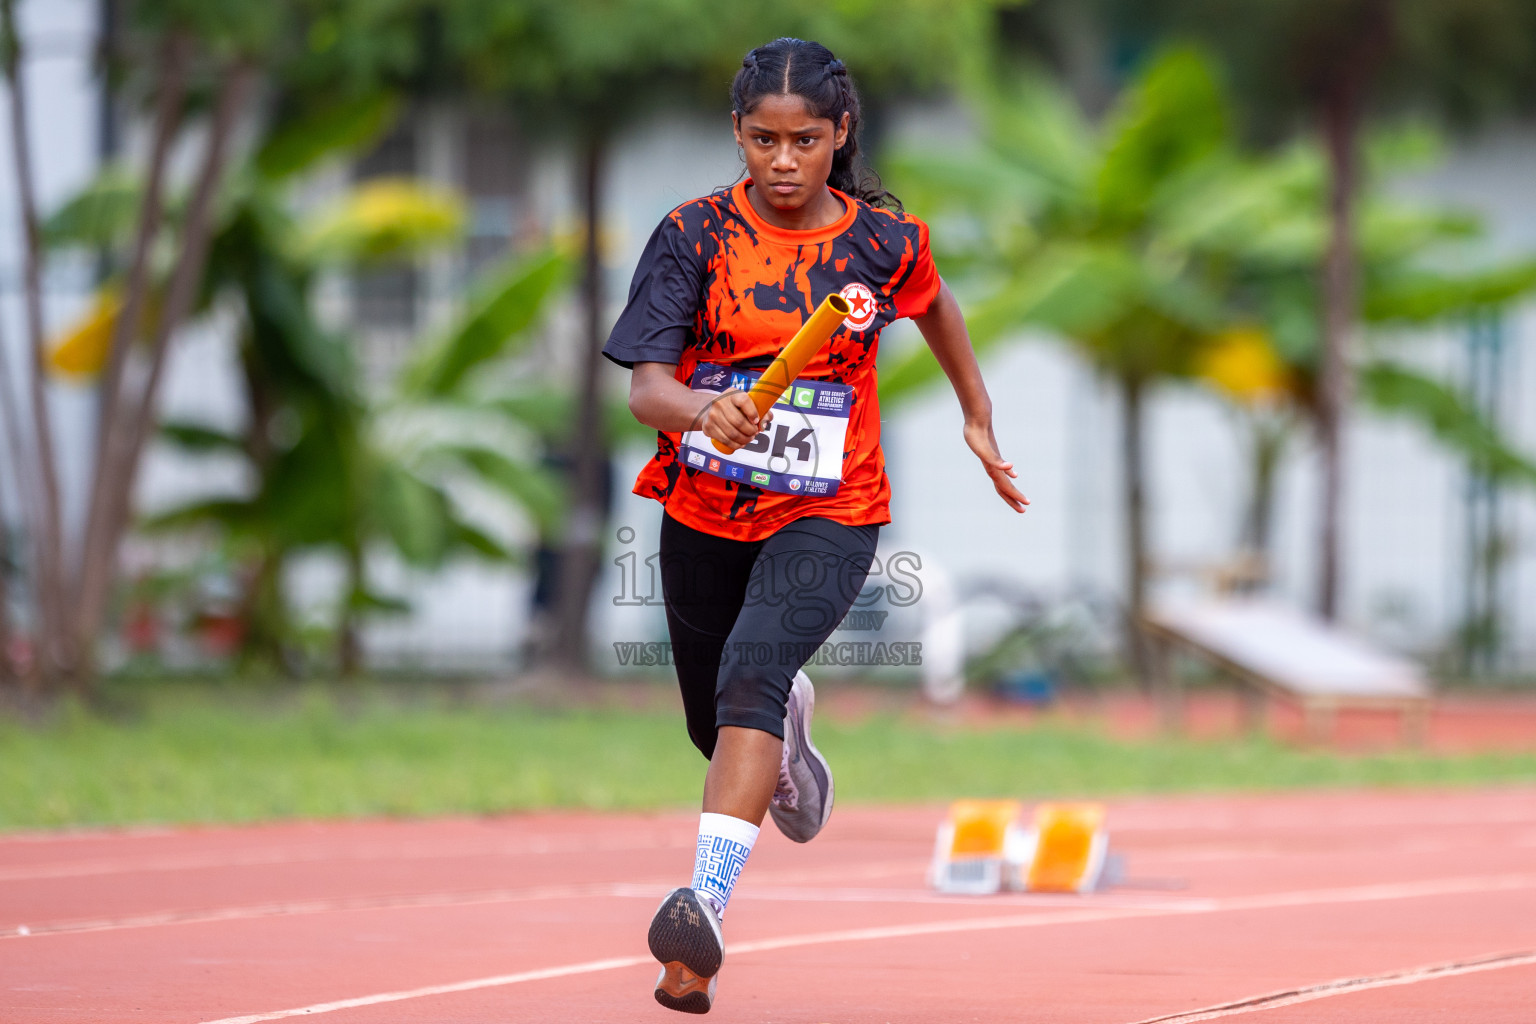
column 190, row 754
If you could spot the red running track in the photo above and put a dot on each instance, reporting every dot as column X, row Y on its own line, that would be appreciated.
column 1334, row 908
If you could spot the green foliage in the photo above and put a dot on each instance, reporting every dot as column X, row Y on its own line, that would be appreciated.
column 414, row 514
column 1462, row 58
column 1072, row 228
column 306, row 495
column 602, row 56
column 531, row 487
column 382, row 221
column 354, row 47
column 1393, row 388
column 1172, row 117
column 199, row 438
column 342, row 482
column 239, row 26
column 1415, row 295
column 324, row 132
column 550, row 413
column 326, row 469
column 321, row 49
column 497, row 317
column 1263, row 220
column 101, row 215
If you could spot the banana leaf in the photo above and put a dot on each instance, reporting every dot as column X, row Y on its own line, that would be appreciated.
column 196, row 437
column 231, row 515
column 414, row 514
column 1393, row 388
column 1421, row 296
column 319, row 133
column 100, row 216
column 1173, row 116
column 532, row 487
column 510, row 301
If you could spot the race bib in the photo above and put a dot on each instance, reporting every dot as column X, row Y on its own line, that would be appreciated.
column 800, row 452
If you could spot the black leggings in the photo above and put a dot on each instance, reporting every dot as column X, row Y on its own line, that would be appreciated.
column 745, row 615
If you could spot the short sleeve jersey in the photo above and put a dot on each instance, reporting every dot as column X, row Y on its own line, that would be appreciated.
column 718, row 284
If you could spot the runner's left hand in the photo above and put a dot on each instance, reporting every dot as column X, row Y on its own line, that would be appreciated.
column 979, row 436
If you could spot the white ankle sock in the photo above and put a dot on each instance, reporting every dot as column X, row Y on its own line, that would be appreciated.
column 725, row 843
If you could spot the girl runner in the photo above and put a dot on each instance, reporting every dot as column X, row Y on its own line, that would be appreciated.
column 763, row 551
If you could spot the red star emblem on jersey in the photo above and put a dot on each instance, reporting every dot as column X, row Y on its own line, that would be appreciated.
column 862, row 300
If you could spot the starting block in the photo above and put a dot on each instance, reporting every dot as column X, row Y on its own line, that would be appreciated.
column 984, row 848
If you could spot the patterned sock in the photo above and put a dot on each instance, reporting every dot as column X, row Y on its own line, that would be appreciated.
column 725, row 843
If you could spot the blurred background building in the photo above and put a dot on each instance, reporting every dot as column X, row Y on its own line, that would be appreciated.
column 1419, row 528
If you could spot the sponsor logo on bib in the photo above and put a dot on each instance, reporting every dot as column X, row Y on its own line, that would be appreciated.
column 862, row 300
column 798, row 454
column 833, row 400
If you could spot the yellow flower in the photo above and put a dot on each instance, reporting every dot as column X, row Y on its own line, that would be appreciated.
column 388, row 217
column 1242, row 364
column 81, row 350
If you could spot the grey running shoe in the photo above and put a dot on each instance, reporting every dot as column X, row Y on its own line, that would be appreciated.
column 685, row 937
column 802, row 803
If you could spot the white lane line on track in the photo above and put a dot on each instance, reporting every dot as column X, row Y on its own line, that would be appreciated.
column 806, row 894
column 1368, row 846
column 1284, row 817
column 486, row 897
column 590, row 967
column 1314, row 897
column 303, row 907
column 1344, row 986
column 1128, row 816
column 649, row 890
column 381, row 852
column 406, row 901
column 547, row 847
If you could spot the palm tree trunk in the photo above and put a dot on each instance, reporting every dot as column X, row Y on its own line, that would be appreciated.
column 169, row 101
column 1268, row 441
column 1339, row 289
column 55, row 654
column 265, row 621
column 7, row 670
column 349, row 644
column 111, row 508
column 579, row 552
column 1133, row 481
column 1341, row 102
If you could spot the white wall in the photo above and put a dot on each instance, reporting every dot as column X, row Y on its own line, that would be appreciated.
column 59, row 41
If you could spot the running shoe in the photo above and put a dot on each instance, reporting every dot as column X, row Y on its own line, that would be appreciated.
column 685, row 937
column 802, row 801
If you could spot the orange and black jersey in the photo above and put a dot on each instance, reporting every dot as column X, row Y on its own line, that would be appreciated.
column 718, row 284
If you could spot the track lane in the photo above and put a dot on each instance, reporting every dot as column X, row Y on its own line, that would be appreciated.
column 864, row 874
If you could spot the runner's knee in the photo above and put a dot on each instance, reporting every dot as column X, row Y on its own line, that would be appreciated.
column 752, row 696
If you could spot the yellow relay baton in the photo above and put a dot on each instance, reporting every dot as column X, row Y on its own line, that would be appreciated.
column 787, row 365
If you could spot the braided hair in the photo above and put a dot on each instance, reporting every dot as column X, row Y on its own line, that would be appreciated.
column 796, row 67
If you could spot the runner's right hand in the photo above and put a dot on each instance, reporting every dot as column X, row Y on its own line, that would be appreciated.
column 732, row 419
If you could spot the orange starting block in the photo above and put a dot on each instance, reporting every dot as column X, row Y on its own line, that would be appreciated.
column 983, row 847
